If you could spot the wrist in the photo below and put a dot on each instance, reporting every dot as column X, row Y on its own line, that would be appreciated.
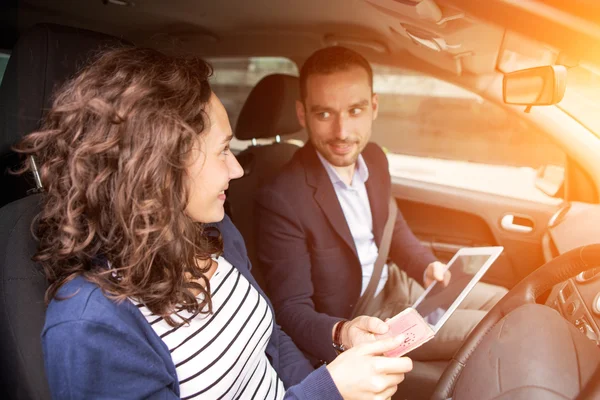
column 339, row 336
column 345, row 335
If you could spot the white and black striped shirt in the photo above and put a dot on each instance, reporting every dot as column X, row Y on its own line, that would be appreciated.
column 222, row 355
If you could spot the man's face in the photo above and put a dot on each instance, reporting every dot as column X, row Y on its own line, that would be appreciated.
column 338, row 114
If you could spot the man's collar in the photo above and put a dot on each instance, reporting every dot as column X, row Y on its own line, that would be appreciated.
column 361, row 172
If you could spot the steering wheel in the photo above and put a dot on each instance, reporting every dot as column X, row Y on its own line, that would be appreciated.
column 544, row 278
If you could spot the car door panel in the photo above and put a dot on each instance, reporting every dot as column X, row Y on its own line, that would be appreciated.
column 447, row 218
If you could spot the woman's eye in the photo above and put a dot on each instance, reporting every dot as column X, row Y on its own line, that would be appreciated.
column 226, row 150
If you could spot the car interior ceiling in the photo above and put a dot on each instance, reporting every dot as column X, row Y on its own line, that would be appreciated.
column 61, row 48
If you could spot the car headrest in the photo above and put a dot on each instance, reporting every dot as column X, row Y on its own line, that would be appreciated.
column 270, row 109
column 42, row 59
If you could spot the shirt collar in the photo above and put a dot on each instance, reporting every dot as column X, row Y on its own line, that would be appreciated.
column 361, row 173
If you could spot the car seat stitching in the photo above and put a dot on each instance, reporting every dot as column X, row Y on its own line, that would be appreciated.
column 499, row 375
column 529, row 387
column 576, row 359
column 503, row 322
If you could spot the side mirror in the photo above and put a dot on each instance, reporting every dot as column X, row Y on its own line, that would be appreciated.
column 540, row 86
column 549, row 179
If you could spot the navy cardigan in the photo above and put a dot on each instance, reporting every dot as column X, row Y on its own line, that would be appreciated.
column 96, row 348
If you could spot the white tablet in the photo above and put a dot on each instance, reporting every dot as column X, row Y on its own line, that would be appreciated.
column 437, row 303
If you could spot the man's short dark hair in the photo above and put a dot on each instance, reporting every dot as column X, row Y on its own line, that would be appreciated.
column 330, row 60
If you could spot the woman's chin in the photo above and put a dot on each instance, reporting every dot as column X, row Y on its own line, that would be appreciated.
column 216, row 216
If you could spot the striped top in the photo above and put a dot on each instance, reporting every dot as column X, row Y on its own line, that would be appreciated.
column 222, row 355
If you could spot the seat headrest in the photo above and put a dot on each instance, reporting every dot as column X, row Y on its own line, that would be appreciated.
column 42, row 59
column 270, row 109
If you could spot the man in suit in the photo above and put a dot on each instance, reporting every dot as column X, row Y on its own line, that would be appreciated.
column 321, row 220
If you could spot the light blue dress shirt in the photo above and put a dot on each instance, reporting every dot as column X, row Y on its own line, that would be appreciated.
column 356, row 207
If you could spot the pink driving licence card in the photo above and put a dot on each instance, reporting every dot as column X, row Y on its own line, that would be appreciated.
column 413, row 326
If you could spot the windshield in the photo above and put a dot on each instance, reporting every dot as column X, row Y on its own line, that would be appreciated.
column 582, row 95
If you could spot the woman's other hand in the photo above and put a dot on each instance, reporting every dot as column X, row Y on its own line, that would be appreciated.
column 364, row 373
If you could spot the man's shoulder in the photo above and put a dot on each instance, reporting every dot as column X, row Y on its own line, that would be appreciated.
column 292, row 179
column 292, row 175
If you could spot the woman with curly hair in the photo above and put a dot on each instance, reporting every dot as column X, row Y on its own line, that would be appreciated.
column 150, row 291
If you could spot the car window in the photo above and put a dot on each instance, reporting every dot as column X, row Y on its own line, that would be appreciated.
column 438, row 132
column 234, row 78
column 3, row 62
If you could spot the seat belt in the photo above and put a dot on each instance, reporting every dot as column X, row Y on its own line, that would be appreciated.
column 384, row 249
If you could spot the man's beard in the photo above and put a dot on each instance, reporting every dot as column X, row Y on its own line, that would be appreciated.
column 347, row 159
column 339, row 160
column 332, row 158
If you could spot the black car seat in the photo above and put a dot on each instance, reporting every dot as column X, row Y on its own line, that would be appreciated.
column 22, row 307
column 268, row 113
column 43, row 58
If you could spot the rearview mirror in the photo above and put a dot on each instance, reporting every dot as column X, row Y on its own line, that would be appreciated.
column 540, row 86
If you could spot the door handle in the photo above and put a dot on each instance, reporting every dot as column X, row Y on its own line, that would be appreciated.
column 517, row 223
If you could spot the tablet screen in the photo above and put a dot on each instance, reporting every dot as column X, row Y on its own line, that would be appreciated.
column 438, row 299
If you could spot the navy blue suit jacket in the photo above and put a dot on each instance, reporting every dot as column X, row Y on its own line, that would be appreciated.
column 307, row 253
column 96, row 348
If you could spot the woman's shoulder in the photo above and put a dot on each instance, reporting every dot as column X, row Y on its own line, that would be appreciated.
column 81, row 301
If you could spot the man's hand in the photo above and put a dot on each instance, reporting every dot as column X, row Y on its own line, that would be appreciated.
column 361, row 330
column 364, row 373
column 436, row 271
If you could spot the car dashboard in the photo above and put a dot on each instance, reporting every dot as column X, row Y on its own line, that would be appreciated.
column 578, row 298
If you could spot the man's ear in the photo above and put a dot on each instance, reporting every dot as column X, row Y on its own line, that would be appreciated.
column 301, row 113
column 375, row 103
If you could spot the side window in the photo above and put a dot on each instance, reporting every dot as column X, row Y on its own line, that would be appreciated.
column 234, row 78
column 3, row 62
column 438, row 132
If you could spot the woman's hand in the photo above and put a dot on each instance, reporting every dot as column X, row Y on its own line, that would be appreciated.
column 364, row 373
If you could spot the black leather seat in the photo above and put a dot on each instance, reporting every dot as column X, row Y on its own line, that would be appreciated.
column 42, row 59
column 22, row 307
column 268, row 113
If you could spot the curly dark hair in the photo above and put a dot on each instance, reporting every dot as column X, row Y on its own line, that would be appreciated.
column 112, row 154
